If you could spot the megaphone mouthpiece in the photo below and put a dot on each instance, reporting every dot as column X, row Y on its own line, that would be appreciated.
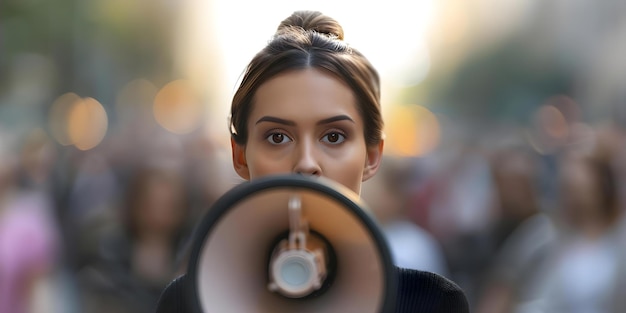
column 297, row 267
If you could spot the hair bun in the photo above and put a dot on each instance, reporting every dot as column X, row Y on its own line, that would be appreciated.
column 312, row 20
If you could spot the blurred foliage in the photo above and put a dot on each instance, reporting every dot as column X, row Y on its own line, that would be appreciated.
column 504, row 83
column 34, row 26
column 90, row 47
column 132, row 36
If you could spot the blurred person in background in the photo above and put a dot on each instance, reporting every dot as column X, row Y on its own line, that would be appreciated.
column 31, row 271
column 210, row 173
column 616, row 138
column 583, row 270
column 522, row 236
column 461, row 212
column 387, row 195
column 139, row 256
column 514, row 172
column 92, row 191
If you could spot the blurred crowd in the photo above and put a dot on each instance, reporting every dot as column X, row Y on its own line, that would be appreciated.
column 519, row 228
column 528, row 220
column 101, row 230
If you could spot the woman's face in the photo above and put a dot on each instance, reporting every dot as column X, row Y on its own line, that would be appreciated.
column 307, row 122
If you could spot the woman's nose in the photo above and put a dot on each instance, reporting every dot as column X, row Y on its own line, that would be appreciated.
column 306, row 162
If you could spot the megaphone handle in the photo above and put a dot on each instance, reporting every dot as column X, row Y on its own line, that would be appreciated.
column 297, row 225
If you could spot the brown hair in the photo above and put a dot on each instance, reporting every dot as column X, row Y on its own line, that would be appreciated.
column 309, row 39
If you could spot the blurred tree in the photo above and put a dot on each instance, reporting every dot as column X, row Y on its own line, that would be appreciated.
column 504, row 83
column 94, row 47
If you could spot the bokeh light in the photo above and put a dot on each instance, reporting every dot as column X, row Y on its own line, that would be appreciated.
column 552, row 122
column 58, row 117
column 177, row 108
column 87, row 123
column 411, row 130
column 136, row 98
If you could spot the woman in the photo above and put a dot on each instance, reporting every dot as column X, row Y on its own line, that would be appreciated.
column 131, row 263
column 310, row 104
column 584, row 272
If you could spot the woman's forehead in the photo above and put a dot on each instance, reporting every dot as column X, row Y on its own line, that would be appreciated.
column 305, row 93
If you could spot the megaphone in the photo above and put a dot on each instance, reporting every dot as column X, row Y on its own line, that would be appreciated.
column 290, row 243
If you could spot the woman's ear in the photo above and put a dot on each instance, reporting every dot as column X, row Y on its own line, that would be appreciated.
column 374, row 157
column 239, row 159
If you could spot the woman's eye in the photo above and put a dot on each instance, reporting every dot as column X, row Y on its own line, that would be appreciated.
column 334, row 138
column 278, row 138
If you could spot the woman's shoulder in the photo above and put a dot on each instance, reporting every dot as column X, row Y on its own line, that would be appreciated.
column 421, row 291
column 173, row 299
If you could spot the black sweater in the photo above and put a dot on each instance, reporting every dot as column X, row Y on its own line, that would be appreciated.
column 418, row 292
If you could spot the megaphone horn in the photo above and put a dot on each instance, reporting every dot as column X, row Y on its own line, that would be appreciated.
column 290, row 243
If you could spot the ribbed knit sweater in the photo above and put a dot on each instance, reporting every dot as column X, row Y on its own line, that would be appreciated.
column 418, row 292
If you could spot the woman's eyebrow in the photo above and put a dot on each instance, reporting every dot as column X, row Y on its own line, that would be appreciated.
column 335, row 119
column 273, row 119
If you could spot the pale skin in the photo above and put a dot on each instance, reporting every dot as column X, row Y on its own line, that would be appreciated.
column 307, row 121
